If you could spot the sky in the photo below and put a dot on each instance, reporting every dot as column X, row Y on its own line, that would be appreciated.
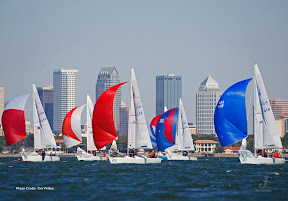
column 188, row 38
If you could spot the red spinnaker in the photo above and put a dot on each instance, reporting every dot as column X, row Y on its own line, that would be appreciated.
column 66, row 128
column 13, row 122
column 155, row 120
column 168, row 127
column 103, row 125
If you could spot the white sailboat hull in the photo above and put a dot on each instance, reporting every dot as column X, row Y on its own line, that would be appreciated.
column 35, row 157
column 261, row 160
column 84, row 156
column 181, row 158
column 90, row 157
column 134, row 160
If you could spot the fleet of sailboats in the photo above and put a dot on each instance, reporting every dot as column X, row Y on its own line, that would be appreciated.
column 169, row 132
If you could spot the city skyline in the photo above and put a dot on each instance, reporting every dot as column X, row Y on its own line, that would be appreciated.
column 191, row 39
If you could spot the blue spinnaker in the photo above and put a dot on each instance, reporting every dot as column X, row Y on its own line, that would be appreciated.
column 166, row 129
column 230, row 119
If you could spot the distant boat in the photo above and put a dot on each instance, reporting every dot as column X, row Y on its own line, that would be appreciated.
column 173, row 135
column 13, row 121
column 184, row 141
column 82, row 155
column 231, row 123
column 138, row 134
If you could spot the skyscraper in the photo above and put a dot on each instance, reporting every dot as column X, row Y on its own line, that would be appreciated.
column 279, row 107
column 108, row 77
column 65, row 95
column 207, row 98
column 46, row 98
column 168, row 92
column 123, row 119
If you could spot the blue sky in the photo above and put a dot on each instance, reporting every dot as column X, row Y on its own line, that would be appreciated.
column 188, row 38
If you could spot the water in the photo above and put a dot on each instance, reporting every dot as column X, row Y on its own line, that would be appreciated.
column 205, row 179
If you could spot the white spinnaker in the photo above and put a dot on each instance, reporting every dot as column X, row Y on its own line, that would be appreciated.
column 90, row 141
column 271, row 137
column 184, row 136
column 47, row 139
column 142, row 133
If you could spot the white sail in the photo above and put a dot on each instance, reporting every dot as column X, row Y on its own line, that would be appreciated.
column 265, row 129
column 138, row 134
column 46, row 137
column 37, row 130
column 185, row 141
column 90, row 141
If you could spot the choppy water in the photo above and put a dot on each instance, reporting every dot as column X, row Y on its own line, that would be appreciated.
column 205, row 179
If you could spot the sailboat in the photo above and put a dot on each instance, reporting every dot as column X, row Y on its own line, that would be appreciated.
column 231, row 122
column 13, row 120
column 82, row 155
column 184, row 141
column 138, row 134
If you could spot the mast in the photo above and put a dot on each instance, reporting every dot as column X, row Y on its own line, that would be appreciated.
column 254, row 112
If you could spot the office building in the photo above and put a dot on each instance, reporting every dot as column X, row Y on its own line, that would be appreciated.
column 279, row 106
column 207, row 98
column 46, row 98
column 123, row 119
column 168, row 92
column 65, row 95
column 108, row 77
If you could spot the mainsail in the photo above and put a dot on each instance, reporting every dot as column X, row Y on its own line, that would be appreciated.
column 42, row 130
column 103, row 125
column 230, row 114
column 166, row 129
column 185, row 141
column 265, row 131
column 13, row 120
column 71, row 128
column 90, row 142
column 138, row 134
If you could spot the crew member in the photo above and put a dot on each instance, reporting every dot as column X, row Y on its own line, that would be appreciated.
column 276, row 155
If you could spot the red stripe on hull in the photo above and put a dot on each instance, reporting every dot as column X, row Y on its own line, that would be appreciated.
column 13, row 122
column 66, row 127
column 103, row 125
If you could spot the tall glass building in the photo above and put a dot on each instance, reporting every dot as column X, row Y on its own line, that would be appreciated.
column 168, row 92
column 46, row 98
column 207, row 98
column 108, row 77
column 65, row 95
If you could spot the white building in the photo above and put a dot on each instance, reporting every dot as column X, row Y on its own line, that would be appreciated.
column 207, row 98
column 65, row 94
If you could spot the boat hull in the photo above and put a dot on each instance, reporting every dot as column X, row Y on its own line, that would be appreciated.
column 181, row 158
column 35, row 157
column 261, row 160
column 84, row 156
column 90, row 157
column 134, row 160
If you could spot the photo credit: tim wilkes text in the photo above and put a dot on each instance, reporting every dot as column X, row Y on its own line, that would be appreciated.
column 29, row 188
